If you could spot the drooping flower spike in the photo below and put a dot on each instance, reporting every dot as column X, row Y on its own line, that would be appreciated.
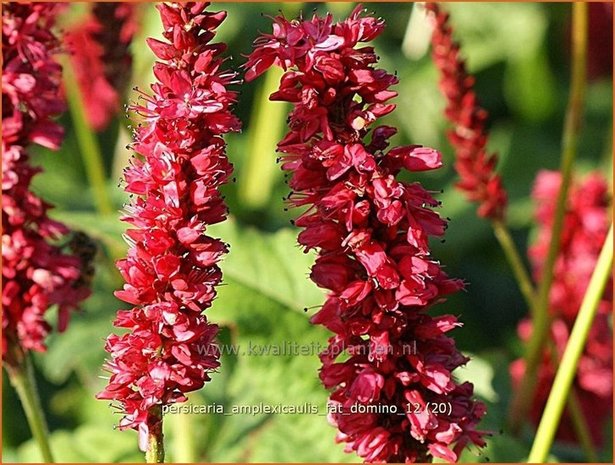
column 99, row 51
column 372, row 233
column 468, row 136
column 171, row 269
column 586, row 224
column 38, row 268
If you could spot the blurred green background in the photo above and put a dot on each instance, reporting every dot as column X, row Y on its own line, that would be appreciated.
column 518, row 53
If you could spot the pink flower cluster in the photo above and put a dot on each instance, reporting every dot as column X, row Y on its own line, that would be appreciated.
column 171, row 269
column 585, row 227
column 371, row 232
column 476, row 168
column 101, row 59
column 36, row 272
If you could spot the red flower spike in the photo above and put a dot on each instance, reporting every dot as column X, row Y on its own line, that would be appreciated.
column 37, row 273
column 475, row 167
column 371, row 232
column 586, row 225
column 171, row 269
column 101, row 59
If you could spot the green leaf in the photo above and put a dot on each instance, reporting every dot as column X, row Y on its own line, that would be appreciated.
column 81, row 347
column 87, row 444
column 107, row 229
column 257, row 321
column 270, row 264
column 492, row 32
column 530, row 87
column 479, row 372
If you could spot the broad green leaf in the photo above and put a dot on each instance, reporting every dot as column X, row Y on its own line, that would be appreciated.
column 81, row 347
column 480, row 373
column 259, row 323
column 87, row 444
column 492, row 32
column 270, row 264
column 530, row 87
column 107, row 229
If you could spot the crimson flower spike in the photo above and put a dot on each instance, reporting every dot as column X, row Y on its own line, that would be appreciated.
column 99, row 50
column 476, row 168
column 37, row 272
column 171, row 270
column 394, row 398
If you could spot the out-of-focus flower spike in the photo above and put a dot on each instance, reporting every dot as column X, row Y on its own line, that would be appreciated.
column 99, row 52
column 38, row 272
column 475, row 166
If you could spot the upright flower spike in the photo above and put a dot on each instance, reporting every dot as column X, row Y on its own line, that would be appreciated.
column 37, row 273
column 585, row 227
column 171, row 269
column 371, row 232
column 476, row 167
column 101, row 58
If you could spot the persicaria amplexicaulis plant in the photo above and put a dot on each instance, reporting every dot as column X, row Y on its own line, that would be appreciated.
column 171, row 269
column 39, row 269
column 393, row 374
column 99, row 51
column 372, row 233
column 475, row 166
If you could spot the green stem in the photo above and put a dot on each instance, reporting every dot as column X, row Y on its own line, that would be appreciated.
column 577, row 417
column 266, row 126
column 502, row 233
column 525, row 393
column 22, row 379
column 567, row 369
column 155, row 438
column 581, row 428
column 184, row 448
column 87, row 141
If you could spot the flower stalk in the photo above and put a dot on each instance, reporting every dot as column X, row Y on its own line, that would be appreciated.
column 479, row 180
column 266, row 128
column 568, row 366
column 522, row 276
column 21, row 377
column 581, row 427
column 541, row 321
column 586, row 226
column 89, row 148
column 155, row 438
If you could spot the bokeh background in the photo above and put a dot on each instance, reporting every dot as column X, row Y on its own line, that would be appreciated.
column 519, row 55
